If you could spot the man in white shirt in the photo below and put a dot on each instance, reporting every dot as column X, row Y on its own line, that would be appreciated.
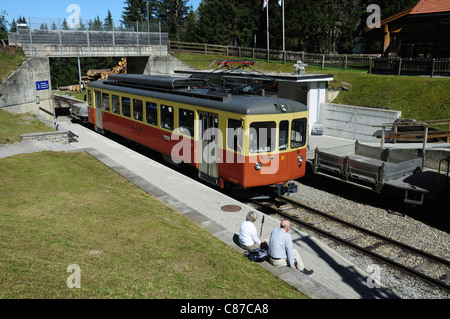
column 281, row 252
column 248, row 235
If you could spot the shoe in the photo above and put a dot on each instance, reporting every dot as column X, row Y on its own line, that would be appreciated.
column 307, row 271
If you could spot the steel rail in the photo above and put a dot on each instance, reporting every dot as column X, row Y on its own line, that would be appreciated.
column 364, row 250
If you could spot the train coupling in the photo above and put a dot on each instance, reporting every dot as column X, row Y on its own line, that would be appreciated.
column 288, row 188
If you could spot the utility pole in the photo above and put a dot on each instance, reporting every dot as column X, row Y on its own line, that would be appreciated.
column 284, row 31
column 266, row 5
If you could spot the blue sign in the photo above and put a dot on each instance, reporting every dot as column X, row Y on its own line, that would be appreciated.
column 42, row 85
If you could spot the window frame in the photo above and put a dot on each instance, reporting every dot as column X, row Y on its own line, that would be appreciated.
column 115, row 98
column 191, row 128
column 103, row 101
column 139, row 117
column 231, row 130
column 155, row 107
column 287, row 135
column 124, row 98
column 304, row 127
column 269, row 148
column 171, row 110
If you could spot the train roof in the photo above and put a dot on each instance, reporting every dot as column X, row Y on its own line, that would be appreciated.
column 195, row 91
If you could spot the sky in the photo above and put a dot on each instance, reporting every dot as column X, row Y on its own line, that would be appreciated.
column 46, row 9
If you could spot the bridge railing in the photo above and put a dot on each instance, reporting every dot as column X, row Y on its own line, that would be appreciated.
column 86, row 38
column 86, row 35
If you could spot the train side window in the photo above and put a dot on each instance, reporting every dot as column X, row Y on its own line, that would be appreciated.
column 152, row 113
column 115, row 104
column 186, row 118
column 298, row 135
column 89, row 97
column 98, row 99
column 262, row 137
column 126, row 107
column 105, row 101
column 234, row 135
column 137, row 110
column 283, row 139
column 167, row 116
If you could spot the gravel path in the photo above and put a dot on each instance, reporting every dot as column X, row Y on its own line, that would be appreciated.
column 392, row 219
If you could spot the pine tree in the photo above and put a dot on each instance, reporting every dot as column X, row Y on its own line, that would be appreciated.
column 3, row 30
column 13, row 26
column 177, row 15
column 229, row 22
column 135, row 14
column 65, row 26
column 190, row 28
column 95, row 25
column 108, row 25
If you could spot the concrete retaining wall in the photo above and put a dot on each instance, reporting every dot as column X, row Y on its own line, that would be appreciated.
column 19, row 92
column 433, row 158
column 354, row 122
column 164, row 65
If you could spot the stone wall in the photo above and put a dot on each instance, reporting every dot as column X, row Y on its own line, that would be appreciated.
column 60, row 136
column 354, row 122
column 21, row 91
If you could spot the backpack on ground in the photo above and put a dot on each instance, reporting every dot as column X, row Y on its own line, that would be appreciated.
column 257, row 255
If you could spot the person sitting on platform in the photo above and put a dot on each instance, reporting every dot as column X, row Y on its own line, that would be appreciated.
column 248, row 235
column 281, row 252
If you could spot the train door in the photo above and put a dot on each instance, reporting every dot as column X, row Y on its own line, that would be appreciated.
column 98, row 111
column 209, row 152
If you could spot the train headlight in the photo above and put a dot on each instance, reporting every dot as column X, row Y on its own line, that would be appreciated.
column 300, row 160
column 284, row 107
column 258, row 166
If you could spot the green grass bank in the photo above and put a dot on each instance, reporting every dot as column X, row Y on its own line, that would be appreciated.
column 62, row 209
column 418, row 97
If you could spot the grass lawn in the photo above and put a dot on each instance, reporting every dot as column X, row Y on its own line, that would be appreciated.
column 10, row 58
column 13, row 125
column 418, row 97
column 62, row 209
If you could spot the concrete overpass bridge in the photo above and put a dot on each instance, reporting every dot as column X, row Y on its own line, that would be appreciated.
column 86, row 43
column 28, row 88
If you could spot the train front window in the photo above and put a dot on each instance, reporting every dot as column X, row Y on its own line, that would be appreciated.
column 262, row 137
column 298, row 134
column 283, row 140
column 126, row 107
column 167, row 117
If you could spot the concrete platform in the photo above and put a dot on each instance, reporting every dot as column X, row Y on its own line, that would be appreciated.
column 333, row 277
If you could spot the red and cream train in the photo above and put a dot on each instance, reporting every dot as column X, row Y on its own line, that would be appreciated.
column 230, row 134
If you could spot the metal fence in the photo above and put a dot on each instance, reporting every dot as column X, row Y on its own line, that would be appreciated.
column 87, row 33
column 34, row 23
column 86, row 38
column 370, row 63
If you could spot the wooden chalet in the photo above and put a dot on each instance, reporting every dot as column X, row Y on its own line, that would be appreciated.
column 419, row 32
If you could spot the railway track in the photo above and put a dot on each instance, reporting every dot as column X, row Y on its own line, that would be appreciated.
column 415, row 262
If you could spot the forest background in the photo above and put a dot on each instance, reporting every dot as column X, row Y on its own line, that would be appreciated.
column 315, row 26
